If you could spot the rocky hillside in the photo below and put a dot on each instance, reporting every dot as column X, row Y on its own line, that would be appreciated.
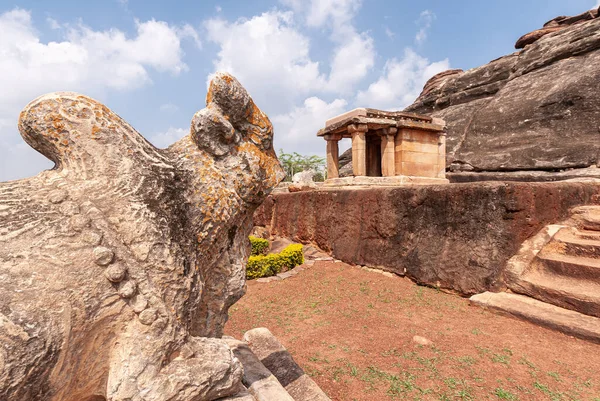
column 536, row 109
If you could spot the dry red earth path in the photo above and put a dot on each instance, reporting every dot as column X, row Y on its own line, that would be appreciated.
column 352, row 330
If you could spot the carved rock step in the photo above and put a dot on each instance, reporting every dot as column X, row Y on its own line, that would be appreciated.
column 570, row 293
column 586, row 234
column 541, row 313
column 578, row 243
column 588, row 217
column 571, row 266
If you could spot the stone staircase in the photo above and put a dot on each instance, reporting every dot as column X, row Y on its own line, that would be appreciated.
column 554, row 279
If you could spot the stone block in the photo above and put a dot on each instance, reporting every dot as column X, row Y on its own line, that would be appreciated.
column 567, row 321
column 419, row 136
column 285, row 275
column 419, row 169
column 360, row 112
column 420, row 158
column 412, row 146
column 278, row 360
column 258, row 379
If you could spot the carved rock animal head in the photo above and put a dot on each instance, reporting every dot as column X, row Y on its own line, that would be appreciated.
column 149, row 244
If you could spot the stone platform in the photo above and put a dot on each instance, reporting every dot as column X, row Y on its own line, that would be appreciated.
column 383, row 181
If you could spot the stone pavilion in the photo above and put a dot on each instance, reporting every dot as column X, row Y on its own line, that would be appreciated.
column 397, row 147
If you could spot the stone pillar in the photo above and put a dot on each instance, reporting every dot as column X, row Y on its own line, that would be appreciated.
column 388, row 162
column 359, row 148
column 333, row 170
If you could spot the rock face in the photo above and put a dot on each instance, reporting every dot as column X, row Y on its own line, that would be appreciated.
column 555, row 25
column 119, row 265
column 537, row 109
column 457, row 237
column 345, row 163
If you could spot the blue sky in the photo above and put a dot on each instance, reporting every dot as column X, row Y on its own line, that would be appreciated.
column 303, row 61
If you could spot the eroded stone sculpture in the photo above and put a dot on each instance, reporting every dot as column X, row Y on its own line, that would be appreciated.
column 119, row 265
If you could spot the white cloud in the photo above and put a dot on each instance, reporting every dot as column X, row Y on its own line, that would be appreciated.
column 296, row 130
column 389, row 33
column 352, row 61
column 86, row 61
column 156, row 45
column 318, row 13
column 188, row 32
column 269, row 56
column 52, row 23
column 168, row 108
column 169, row 137
column 401, row 82
column 424, row 22
column 269, row 51
column 354, row 54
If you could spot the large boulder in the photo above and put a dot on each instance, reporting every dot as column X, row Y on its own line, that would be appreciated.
column 536, row 109
column 119, row 265
column 345, row 164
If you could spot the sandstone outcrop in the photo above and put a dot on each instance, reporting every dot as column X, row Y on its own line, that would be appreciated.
column 555, row 25
column 345, row 163
column 119, row 265
column 458, row 237
column 536, row 109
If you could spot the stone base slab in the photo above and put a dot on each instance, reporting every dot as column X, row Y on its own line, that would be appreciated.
column 567, row 321
column 383, row 181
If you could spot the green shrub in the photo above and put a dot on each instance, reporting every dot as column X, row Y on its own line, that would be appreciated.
column 260, row 246
column 269, row 265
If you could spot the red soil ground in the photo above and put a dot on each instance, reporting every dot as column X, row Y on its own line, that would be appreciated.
column 352, row 330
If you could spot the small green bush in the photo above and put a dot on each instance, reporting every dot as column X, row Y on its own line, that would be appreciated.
column 269, row 265
column 260, row 246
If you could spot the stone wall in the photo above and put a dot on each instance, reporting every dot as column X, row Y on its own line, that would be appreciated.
column 457, row 236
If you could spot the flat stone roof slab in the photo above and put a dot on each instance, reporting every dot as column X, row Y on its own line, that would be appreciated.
column 377, row 119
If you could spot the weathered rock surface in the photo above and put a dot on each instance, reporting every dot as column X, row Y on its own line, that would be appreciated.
column 304, row 177
column 118, row 264
column 561, row 264
column 259, row 381
column 279, row 361
column 581, row 174
column 457, row 237
column 302, row 181
column 536, row 109
column 345, row 164
column 554, row 25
